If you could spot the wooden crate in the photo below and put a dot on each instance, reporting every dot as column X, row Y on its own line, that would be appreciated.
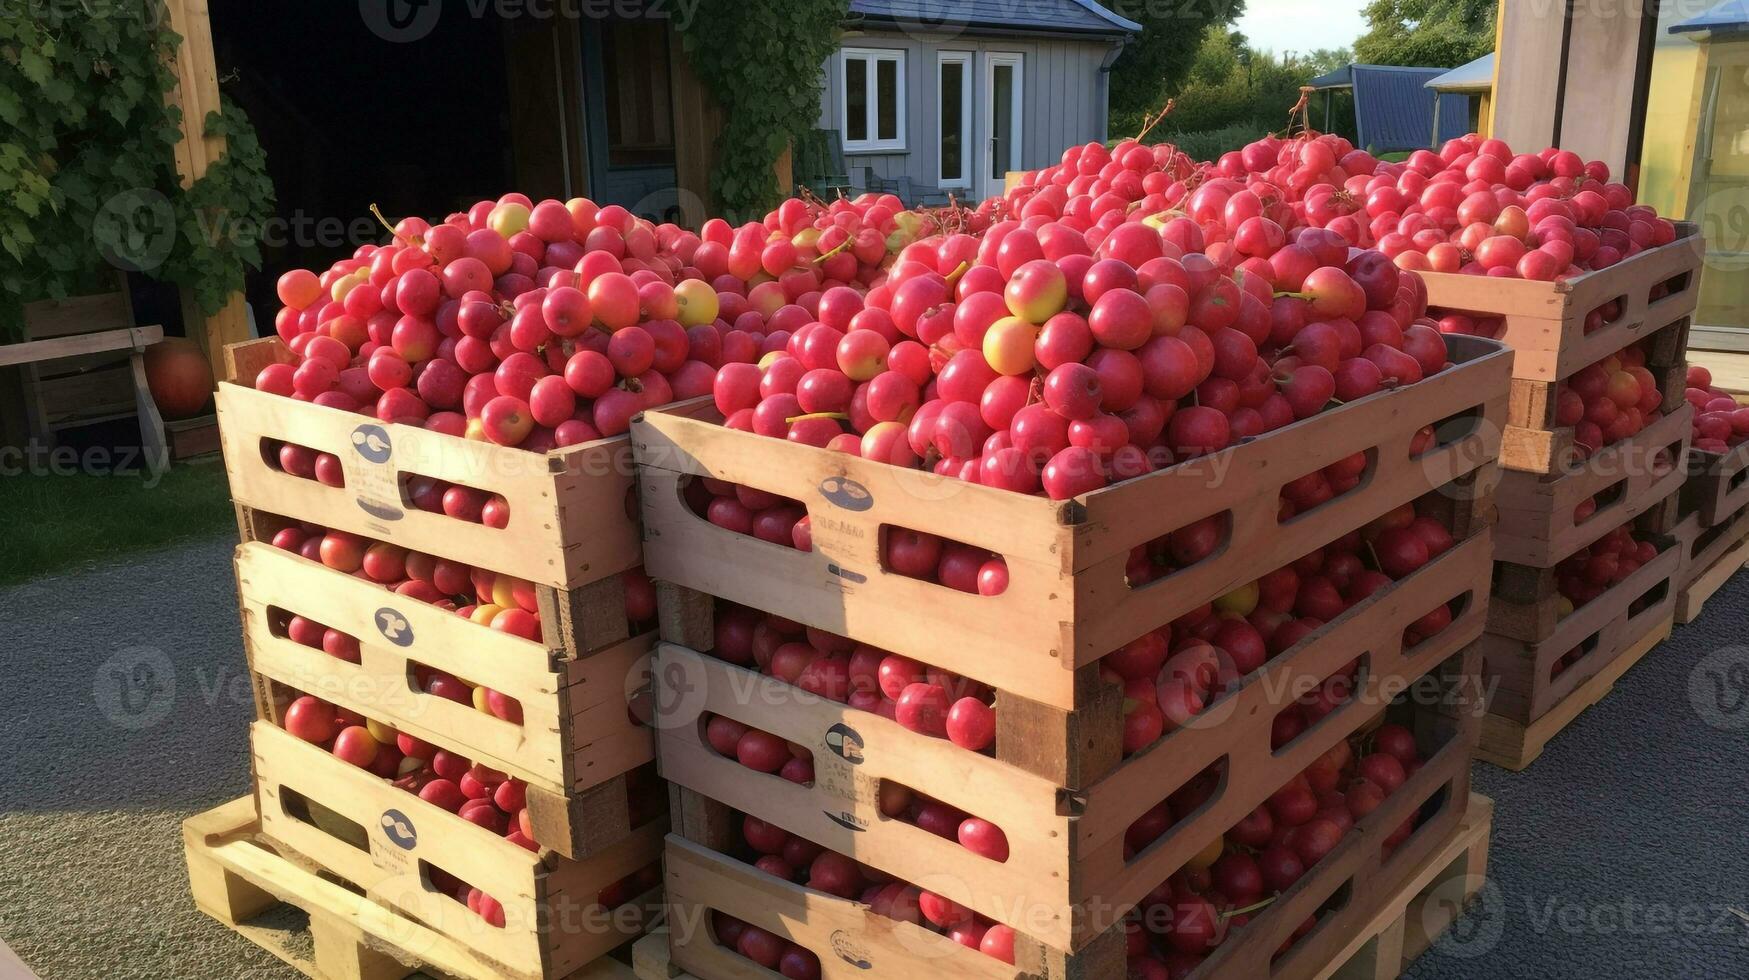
column 386, row 841
column 853, row 942
column 1511, row 745
column 1434, row 897
column 1536, row 523
column 1519, row 670
column 1718, row 484
column 1533, row 443
column 1712, row 556
column 577, row 739
column 1526, row 598
column 1067, row 602
column 242, row 882
column 1545, row 321
column 572, row 520
column 191, row 438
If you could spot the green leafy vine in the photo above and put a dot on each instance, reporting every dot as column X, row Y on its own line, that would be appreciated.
column 761, row 59
column 88, row 179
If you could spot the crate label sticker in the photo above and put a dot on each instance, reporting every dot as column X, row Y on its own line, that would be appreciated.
column 845, row 575
column 849, row 950
column 379, row 492
column 847, row 820
column 845, row 742
column 399, row 830
column 394, row 627
column 846, row 493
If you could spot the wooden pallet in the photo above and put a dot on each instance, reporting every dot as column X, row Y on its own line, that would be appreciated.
column 1545, row 321
column 576, row 740
column 1067, row 602
column 240, row 881
column 1344, row 890
column 1537, row 526
column 1433, row 897
column 571, row 523
column 1534, row 443
column 1718, row 484
column 388, row 843
column 1714, row 556
column 1511, row 745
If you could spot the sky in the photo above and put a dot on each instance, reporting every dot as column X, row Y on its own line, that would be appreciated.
column 1288, row 25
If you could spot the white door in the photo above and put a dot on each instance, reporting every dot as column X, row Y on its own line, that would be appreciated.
column 1003, row 99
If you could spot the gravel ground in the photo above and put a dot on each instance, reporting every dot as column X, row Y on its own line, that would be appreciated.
column 1618, row 854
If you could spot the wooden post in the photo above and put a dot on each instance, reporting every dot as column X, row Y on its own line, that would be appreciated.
column 1603, row 61
column 1529, row 41
column 197, row 94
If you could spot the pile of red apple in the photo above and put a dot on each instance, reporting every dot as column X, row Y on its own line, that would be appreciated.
column 1180, row 923
column 1474, row 207
column 1047, row 357
column 1614, row 399
column 492, row 599
column 1608, row 561
column 1720, row 421
column 549, row 324
column 476, row 793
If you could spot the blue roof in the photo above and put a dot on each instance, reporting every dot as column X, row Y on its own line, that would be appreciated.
column 1050, row 16
column 1729, row 17
column 1393, row 108
column 1476, row 76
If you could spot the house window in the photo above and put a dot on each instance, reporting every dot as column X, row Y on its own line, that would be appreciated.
column 873, row 110
column 953, row 86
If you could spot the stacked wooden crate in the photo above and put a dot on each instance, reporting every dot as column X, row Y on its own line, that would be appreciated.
column 1714, row 530
column 1545, row 660
column 1056, row 776
column 586, row 880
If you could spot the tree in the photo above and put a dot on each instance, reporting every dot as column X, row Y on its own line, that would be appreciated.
column 1426, row 33
column 1158, row 60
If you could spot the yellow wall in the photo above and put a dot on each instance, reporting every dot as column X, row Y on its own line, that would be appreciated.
column 1667, row 111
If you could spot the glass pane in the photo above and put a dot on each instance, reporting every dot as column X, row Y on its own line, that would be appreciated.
column 887, row 98
column 1001, row 120
column 855, row 100
column 640, row 118
column 1719, row 202
column 953, row 83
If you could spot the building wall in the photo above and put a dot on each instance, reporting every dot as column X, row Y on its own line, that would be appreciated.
column 1062, row 102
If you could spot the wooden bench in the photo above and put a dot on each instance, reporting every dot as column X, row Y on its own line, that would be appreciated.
column 74, row 375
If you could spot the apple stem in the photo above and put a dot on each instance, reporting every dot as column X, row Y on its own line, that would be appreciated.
column 1247, row 910
column 839, row 248
column 378, row 212
column 841, row 416
column 1373, row 552
column 1287, row 292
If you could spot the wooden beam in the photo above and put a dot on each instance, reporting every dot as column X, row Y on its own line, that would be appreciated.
column 31, row 352
column 1528, row 43
column 197, row 94
column 1597, row 107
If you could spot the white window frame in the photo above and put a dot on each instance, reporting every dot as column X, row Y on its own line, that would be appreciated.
column 1017, row 108
column 968, row 149
column 872, row 57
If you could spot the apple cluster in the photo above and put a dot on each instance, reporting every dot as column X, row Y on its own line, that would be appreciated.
column 1591, row 571
column 1720, row 421
column 1614, row 399
column 549, row 324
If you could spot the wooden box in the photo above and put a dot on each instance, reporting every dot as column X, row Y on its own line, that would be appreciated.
column 1537, row 523
column 1068, row 602
column 577, row 739
column 386, row 841
column 1718, row 484
column 1712, row 556
column 1348, row 887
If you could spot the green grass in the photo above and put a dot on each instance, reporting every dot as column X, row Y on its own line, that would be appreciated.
column 55, row 519
column 1395, row 157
